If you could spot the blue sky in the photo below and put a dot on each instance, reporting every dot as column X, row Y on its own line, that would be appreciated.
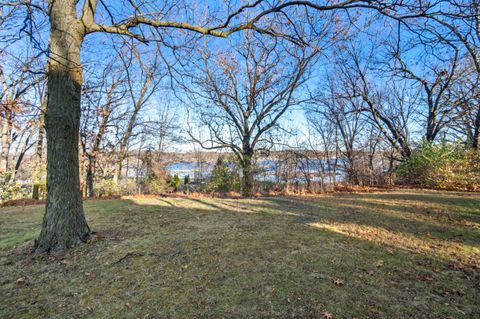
column 98, row 48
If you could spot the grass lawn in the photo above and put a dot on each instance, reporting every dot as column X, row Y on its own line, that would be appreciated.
column 398, row 254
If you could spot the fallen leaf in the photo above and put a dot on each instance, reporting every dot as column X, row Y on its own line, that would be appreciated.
column 391, row 251
column 327, row 315
column 460, row 292
column 458, row 266
column 96, row 236
column 338, row 282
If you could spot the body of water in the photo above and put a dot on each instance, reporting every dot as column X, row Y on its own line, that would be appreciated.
column 268, row 169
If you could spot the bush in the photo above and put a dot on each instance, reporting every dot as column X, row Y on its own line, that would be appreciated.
column 106, row 188
column 175, row 182
column 9, row 190
column 128, row 186
column 156, row 186
column 444, row 165
column 224, row 177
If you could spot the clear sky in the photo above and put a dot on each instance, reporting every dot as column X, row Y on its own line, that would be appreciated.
column 365, row 33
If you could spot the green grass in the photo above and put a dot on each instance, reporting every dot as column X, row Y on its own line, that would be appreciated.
column 398, row 254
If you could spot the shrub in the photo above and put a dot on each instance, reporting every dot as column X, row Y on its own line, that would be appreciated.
column 128, row 186
column 175, row 182
column 106, row 188
column 9, row 190
column 156, row 186
column 444, row 165
column 224, row 177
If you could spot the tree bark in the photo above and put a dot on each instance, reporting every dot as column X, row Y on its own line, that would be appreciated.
column 247, row 172
column 90, row 175
column 122, row 152
column 476, row 132
column 20, row 156
column 64, row 224
column 117, row 173
column 6, row 139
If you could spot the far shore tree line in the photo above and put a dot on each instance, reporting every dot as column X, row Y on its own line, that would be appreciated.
column 269, row 96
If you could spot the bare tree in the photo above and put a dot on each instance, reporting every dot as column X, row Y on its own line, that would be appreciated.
column 388, row 104
column 149, row 77
column 17, row 112
column 455, row 24
column 102, row 101
column 470, row 109
column 467, row 118
column 339, row 108
column 240, row 95
column 323, row 141
column 440, row 105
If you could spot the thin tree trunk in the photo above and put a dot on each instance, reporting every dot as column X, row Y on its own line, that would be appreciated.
column 64, row 224
column 39, row 150
column 90, row 174
column 6, row 140
column 476, row 132
column 122, row 153
column 20, row 157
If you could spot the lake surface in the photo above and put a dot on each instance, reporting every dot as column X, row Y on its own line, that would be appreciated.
column 267, row 169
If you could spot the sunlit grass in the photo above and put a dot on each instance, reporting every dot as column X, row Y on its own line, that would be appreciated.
column 434, row 247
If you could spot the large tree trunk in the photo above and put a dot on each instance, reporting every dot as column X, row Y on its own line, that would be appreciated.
column 122, row 152
column 64, row 224
column 476, row 139
column 117, row 173
column 350, row 166
column 247, row 172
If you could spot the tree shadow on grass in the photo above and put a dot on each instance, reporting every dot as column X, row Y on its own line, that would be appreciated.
column 167, row 202
column 453, row 225
column 214, row 261
column 454, row 199
column 385, row 224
